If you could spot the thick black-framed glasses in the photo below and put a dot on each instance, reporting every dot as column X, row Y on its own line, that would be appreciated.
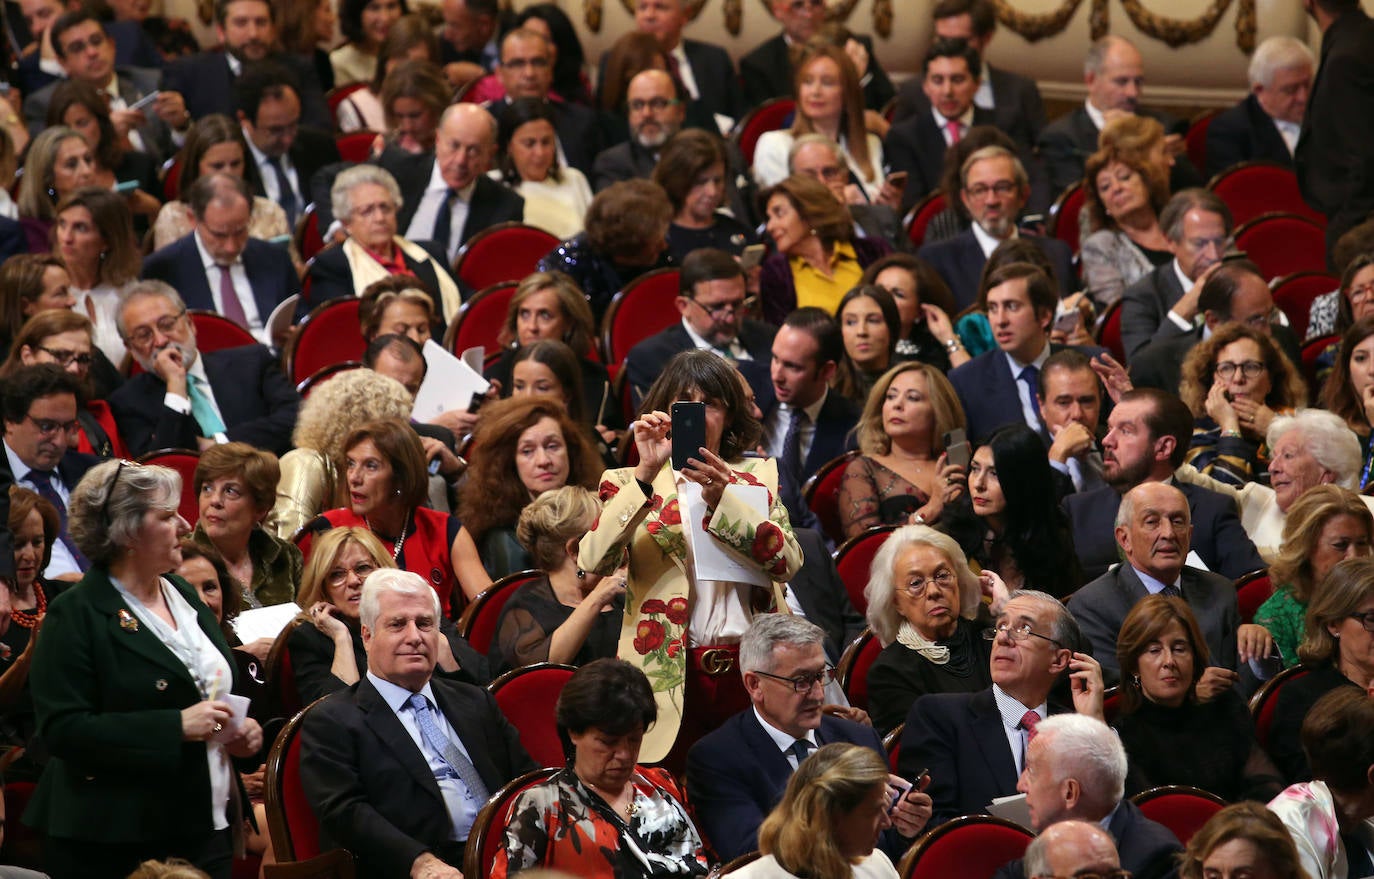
column 804, row 683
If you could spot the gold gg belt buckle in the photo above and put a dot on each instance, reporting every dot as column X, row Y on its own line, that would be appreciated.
column 717, row 661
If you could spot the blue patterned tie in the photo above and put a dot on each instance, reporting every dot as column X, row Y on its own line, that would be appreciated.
column 43, row 480
column 442, row 745
column 1031, row 376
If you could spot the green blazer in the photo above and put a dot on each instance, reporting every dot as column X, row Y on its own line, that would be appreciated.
column 108, row 695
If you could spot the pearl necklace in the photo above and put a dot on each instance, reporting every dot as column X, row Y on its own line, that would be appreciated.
column 400, row 540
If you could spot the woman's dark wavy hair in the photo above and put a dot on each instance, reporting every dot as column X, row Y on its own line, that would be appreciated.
column 519, row 112
column 351, row 18
column 1338, row 394
column 69, row 92
column 716, row 379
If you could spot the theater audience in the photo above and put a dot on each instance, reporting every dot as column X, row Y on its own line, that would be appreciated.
column 1068, row 848
column 1245, row 838
column 365, row 25
column 819, row 157
column 692, row 169
column 397, row 305
column 570, row 81
column 556, row 196
column 94, row 236
column 924, row 305
column 59, row 162
column 34, row 526
column 413, row 97
column 925, row 608
column 1347, row 387
column 1339, row 306
column 1266, row 123
column 649, row 113
column 79, row 106
column 568, row 615
column 549, row 368
column 869, row 324
column 30, row 283
column 405, row 38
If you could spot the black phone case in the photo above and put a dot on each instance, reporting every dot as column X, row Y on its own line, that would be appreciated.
column 689, row 432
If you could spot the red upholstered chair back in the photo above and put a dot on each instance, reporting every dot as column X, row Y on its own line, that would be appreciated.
column 1251, row 189
column 969, row 847
column 336, row 96
column 855, row 557
column 281, row 675
column 356, row 146
column 1111, row 704
column 857, row 659
column 309, row 241
column 184, row 462
column 1265, row 700
column 478, row 622
column 329, row 334
column 1180, row 808
column 639, row 311
column 504, row 252
column 1293, row 294
column 171, row 178
column 892, row 743
column 822, row 495
column 488, row 829
column 1064, row 215
column 527, row 697
column 479, row 320
column 1109, row 332
column 1252, row 590
column 324, row 374
column 1312, row 351
column 1283, row 243
column 290, row 819
column 920, row 215
column 1196, row 138
column 215, row 332
column 768, row 116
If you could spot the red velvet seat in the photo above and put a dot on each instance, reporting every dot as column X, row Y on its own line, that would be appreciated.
column 215, row 332
column 336, row 96
column 1196, row 138
column 504, row 252
column 527, row 697
column 1063, row 223
column 857, row 659
column 478, row 622
column 480, row 319
column 281, row 675
column 309, row 240
column 488, row 829
column 854, row 558
column 1265, row 700
column 329, row 334
column 822, row 495
column 1252, row 590
column 290, row 819
column 1283, row 243
column 184, row 462
column 920, row 215
column 1109, row 332
column 768, row 116
column 356, row 146
column 1293, row 294
column 892, row 743
column 1180, row 808
column 643, row 308
column 336, row 864
column 1251, row 189
column 324, row 374
column 969, row 847
column 1312, row 351
column 171, row 178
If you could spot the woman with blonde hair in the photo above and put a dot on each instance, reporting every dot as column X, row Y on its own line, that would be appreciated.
column 58, row 163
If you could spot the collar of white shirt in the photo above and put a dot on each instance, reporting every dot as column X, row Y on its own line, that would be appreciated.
column 733, row 347
column 235, row 65
column 986, row 242
column 1038, row 362
column 942, row 122
column 1012, row 711
column 1183, row 280
column 1094, row 114
column 208, row 261
column 781, row 739
column 438, row 184
column 395, row 696
column 1153, row 586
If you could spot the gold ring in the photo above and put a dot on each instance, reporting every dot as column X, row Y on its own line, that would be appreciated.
column 219, row 728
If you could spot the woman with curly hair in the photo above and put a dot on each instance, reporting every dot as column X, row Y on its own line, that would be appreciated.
column 523, row 447
column 1235, row 382
column 1245, row 838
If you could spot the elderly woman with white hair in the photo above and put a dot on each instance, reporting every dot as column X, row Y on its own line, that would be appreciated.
column 1312, row 447
column 925, row 607
column 365, row 200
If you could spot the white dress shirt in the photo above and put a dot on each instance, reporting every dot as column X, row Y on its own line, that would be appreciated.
column 269, row 175
column 781, row 418
column 243, row 289
column 733, row 349
column 784, row 740
column 421, row 226
column 942, row 123
column 1012, row 711
column 1023, row 390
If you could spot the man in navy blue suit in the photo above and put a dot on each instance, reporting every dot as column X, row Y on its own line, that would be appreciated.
column 218, row 267
column 737, row 773
column 994, row 188
column 1002, row 387
column 1266, row 123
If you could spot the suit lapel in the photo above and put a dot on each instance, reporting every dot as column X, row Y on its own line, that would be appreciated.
column 265, row 299
column 986, row 724
column 387, row 727
column 193, row 270
column 129, row 633
column 465, row 723
column 771, row 761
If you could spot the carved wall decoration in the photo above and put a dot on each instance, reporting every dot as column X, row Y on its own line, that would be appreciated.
column 734, row 16
column 838, row 10
column 882, row 18
column 591, row 14
column 1038, row 27
column 694, row 7
column 1174, row 32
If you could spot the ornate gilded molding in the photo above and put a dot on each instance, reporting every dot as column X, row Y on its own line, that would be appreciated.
column 1038, row 27
column 1174, row 32
column 694, row 7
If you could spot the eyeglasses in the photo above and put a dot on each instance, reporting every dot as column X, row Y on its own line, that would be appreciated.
column 1260, row 321
column 828, row 172
column 1018, row 633
column 143, row 336
column 722, row 310
column 1002, row 188
column 1361, row 293
column 65, row 357
column 519, row 63
column 339, row 576
column 658, row 105
column 109, row 492
column 48, row 427
column 1366, row 619
column 799, row 6
column 803, row 683
column 916, row 587
column 1250, row 369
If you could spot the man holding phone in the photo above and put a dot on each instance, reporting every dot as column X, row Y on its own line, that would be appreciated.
column 1070, row 404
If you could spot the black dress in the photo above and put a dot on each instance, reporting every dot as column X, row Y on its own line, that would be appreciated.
column 17, row 722
column 1295, row 699
column 528, row 622
column 727, row 234
column 900, row 675
column 1210, row 745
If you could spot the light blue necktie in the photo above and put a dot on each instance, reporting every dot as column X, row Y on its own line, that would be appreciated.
column 211, row 424
column 442, row 745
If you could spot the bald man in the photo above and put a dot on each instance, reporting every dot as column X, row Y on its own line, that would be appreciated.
column 1071, row 848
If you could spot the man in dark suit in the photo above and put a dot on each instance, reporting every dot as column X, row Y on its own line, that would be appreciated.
column 39, row 407
column 655, row 114
column 1076, row 771
column 446, row 196
column 186, row 400
column 87, row 54
column 1265, row 125
column 711, row 302
column 201, row 84
column 467, row 47
column 526, row 71
column 1148, row 434
column 974, row 744
column 282, row 154
column 994, row 187
column 917, row 144
column 1001, row 387
column 1164, row 303
column 218, row 267
column 1013, row 99
column 817, row 156
column 1335, row 178
column 1114, row 71
column 767, row 70
column 1070, row 405
column 398, row 765
column 704, row 69
column 737, row 773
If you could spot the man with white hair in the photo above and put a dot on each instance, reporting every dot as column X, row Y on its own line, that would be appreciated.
column 1072, row 848
column 1265, row 125
column 398, row 765
column 1076, row 771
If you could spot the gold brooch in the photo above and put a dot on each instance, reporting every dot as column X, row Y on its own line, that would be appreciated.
column 127, row 621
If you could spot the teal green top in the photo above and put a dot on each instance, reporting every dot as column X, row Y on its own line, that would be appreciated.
column 1283, row 616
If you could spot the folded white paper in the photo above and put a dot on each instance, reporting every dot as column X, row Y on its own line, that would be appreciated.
column 1012, row 808
column 239, row 705
column 264, row 622
column 449, row 384
column 713, row 560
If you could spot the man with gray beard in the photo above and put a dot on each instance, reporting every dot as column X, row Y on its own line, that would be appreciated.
column 655, row 112
column 186, row 400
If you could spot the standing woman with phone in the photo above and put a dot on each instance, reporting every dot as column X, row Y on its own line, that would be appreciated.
column 681, row 626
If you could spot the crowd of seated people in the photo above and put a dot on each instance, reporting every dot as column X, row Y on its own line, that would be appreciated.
column 1071, row 519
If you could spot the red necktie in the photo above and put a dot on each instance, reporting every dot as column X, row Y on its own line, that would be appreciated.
column 956, row 128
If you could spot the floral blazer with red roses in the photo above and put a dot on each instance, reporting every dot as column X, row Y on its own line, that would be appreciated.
column 647, row 532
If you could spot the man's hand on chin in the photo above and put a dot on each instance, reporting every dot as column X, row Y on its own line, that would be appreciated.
column 427, row 866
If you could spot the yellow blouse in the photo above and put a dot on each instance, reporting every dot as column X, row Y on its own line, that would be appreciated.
column 814, row 288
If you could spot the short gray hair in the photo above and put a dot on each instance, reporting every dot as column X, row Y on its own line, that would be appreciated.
column 1275, row 54
column 1064, row 628
column 1185, row 200
column 141, row 290
column 1097, row 53
column 106, row 508
column 1086, row 749
column 1329, row 439
column 394, row 580
column 881, row 590
column 340, row 194
column 767, row 631
column 995, row 152
column 812, row 138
